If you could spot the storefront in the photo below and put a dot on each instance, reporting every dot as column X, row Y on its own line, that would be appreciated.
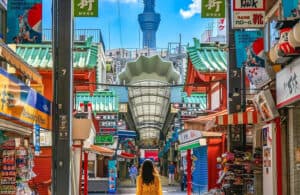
column 288, row 96
column 21, row 109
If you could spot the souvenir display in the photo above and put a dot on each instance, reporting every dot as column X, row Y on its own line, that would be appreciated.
column 236, row 175
column 16, row 162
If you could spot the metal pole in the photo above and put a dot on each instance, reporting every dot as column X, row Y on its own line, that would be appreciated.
column 62, row 30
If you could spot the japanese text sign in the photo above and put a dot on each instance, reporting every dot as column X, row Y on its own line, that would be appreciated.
column 213, row 9
column 248, row 13
column 86, row 8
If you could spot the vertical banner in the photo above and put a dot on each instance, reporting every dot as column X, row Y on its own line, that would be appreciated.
column 213, row 9
column 244, row 40
column 268, row 163
column 24, row 21
column 289, row 7
column 86, row 8
column 112, row 176
column 37, row 148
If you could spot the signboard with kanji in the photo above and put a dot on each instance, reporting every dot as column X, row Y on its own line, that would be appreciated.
column 104, row 139
column 213, row 9
column 248, row 14
column 86, row 8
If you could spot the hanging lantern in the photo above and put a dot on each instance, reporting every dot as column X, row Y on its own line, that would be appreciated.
column 296, row 32
column 292, row 41
column 284, row 47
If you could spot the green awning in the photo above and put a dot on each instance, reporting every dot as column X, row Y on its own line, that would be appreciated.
column 189, row 145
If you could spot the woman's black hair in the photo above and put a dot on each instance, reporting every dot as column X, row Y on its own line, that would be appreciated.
column 147, row 172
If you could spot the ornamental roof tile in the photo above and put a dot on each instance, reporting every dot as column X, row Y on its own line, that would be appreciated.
column 207, row 57
column 40, row 55
column 102, row 101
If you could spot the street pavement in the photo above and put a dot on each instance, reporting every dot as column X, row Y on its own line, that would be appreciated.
column 126, row 188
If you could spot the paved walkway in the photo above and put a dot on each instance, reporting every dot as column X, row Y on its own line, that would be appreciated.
column 127, row 183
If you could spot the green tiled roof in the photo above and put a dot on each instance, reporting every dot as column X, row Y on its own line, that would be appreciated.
column 102, row 101
column 195, row 98
column 40, row 55
column 207, row 57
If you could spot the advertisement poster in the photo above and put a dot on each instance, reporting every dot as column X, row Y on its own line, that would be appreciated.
column 244, row 41
column 24, row 21
column 20, row 102
column 248, row 14
column 112, row 176
column 267, row 159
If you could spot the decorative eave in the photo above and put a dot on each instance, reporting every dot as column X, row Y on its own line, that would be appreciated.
column 149, row 68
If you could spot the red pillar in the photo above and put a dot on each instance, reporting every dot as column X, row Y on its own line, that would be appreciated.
column 86, row 173
column 189, row 172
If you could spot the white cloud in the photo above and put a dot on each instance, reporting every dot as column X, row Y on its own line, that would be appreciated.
column 194, row 8
column 124, row 1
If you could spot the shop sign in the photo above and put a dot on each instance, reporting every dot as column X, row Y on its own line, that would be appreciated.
column 86, row 8
column 248, row 14
column 104, row 139
column 46, row 138
column 249, row 19
column 265, row 104
column 213, row 9
column 24, row 21
column 23, row 103
column 3, row 3
column 189, row 135
column 258, row 76
column 248, row 5
column 288, row 84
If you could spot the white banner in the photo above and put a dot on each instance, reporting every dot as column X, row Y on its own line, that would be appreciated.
column 248, row 19
column 189, row 135
column 288, row 84
column 268, row 160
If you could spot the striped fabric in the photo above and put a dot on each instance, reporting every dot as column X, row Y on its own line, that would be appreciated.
column 248, row 117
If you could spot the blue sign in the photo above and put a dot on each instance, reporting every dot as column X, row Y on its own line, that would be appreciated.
column 289, row 8
column 112, row 176
column 24, row 21
column 37, row 147
column 243, row 42
column 126, row 134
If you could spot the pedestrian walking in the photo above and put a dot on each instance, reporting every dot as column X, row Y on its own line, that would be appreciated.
column 133, row 172
column 171, row 169
column 148, row 182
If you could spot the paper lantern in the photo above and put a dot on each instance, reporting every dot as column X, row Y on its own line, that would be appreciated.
column 292, row 41
column 296, row 31
column 81, row 128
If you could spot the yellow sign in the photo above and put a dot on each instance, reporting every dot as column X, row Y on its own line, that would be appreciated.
column 20, row 102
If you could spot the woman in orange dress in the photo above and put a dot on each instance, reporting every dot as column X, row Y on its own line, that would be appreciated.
column 148, row 182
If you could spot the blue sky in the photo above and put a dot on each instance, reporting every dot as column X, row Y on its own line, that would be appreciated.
column 177, row 16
